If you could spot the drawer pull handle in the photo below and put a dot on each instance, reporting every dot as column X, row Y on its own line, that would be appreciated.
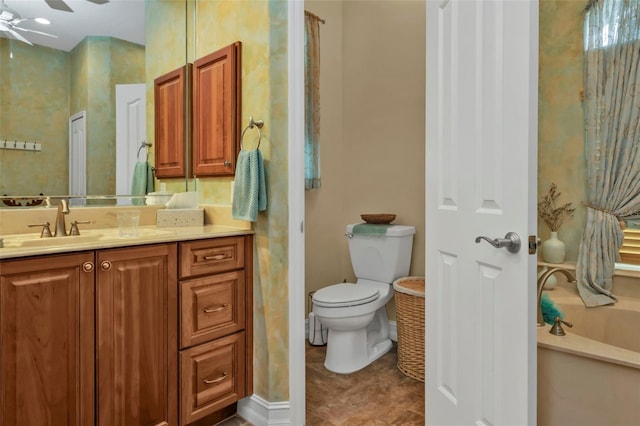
column 209, row 310
column 216, row 257
column 216, row 380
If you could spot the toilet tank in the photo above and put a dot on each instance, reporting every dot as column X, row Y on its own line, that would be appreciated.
column 382, row 258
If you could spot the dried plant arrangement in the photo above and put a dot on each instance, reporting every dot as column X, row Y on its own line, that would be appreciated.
column 553, row 215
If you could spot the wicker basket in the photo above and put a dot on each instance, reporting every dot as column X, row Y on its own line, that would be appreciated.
column 409, row 295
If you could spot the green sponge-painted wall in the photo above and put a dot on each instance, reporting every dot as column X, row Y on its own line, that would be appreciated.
column 40, row 89
column 261, row 26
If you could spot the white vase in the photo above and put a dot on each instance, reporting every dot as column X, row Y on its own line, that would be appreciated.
column 553, row 249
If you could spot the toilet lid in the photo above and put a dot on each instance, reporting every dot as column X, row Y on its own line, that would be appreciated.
column 340, row 295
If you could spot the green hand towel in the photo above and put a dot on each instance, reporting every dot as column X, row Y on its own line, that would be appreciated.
column 249, row 190
column 142, row 182
column 370, row 229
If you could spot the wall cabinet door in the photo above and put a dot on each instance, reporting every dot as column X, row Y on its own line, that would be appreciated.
column 216, row 112
column 47, row 341
column 171, row 121
column 136, row 340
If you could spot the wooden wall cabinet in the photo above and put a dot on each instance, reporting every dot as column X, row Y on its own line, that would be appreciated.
column 217, row 111
column 172, row 93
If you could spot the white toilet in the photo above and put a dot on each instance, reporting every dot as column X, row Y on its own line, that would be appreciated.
column 355, row 314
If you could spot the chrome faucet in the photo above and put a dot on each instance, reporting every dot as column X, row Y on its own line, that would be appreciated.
column 542, row 281
column 63, row 209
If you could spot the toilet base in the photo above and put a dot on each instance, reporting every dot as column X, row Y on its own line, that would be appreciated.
column 350, row 351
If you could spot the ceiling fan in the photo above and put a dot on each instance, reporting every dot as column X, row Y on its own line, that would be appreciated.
column 61, row 5
column 10, row 21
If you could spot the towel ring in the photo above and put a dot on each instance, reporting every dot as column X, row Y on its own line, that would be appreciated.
column 143, row 144
column 258, row 125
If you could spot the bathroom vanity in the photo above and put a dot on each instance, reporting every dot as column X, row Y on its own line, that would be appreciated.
column 154, row 330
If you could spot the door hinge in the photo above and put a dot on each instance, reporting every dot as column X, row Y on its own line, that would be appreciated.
column 534, row 242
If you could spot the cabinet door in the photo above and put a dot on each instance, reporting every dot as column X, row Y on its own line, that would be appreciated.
column 47, row 341
column 216, row 112
column 137, row 336
column 212, row 377
column 171, row 121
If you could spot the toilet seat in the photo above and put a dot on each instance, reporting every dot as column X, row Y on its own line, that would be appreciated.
column 342, row 295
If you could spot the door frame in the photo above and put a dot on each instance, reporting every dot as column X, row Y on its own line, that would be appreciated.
column 295, row 46
column 78, row 153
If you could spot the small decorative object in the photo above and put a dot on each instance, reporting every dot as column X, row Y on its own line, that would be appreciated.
column 553, row 249
column 379, row 218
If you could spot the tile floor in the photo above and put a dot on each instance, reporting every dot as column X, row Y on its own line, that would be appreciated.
column 376, row 395
column 379, row 394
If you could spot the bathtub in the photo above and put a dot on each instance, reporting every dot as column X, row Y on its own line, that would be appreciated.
column 591, row 376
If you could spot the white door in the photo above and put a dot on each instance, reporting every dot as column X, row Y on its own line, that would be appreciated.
column 131, row 133
column 78, row 156
column 481, row 178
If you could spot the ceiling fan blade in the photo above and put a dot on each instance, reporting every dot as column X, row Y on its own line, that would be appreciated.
column 19, row 37
column 99, row 1
column 35, row 32
column 58, row 5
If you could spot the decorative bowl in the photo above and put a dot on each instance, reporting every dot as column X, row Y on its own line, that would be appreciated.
column 378, row 218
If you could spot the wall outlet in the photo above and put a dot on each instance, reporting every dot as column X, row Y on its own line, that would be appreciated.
column 231, row 189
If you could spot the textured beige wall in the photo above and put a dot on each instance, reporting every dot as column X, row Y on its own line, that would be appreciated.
column 372, row 150
column 326, row 253
column 560, row 115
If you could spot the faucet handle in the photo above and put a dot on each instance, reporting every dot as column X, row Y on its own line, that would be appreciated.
column 557, row 329
column 74, row 226
column 46, row 231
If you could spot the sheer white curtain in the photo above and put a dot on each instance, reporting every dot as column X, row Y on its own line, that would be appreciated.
column 612, row 140
column 312, row 100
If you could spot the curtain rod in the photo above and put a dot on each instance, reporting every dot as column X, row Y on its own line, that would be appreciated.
column 313, row 15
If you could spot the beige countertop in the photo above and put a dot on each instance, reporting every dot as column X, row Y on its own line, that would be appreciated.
column 23, row 245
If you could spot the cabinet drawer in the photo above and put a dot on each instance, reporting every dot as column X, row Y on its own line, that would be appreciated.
column 211, row 307
column 212, row 377
column 211, row 256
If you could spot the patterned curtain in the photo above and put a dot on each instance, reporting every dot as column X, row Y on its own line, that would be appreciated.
column 612, row 140
column 312, row 101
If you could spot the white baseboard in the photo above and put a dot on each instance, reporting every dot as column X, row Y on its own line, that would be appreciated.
column 393, row 330
column 263, row 413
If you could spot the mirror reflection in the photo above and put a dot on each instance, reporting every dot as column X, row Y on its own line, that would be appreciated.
column 77, row 107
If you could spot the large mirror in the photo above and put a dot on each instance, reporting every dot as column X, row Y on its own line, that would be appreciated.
column 80, row 88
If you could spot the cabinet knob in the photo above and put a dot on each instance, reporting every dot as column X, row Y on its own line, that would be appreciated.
column 87, row 266
column 227, row 163
column 105, row 265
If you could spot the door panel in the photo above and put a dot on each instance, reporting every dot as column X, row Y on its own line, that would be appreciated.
column 481, row 178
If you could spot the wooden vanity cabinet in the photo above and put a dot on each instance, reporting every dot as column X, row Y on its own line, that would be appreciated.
column 47, row 341
column 158, row 334
column 172, row 92
column 216, row 323
column 90, row 338
column 217, row 111
column 136, row 335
